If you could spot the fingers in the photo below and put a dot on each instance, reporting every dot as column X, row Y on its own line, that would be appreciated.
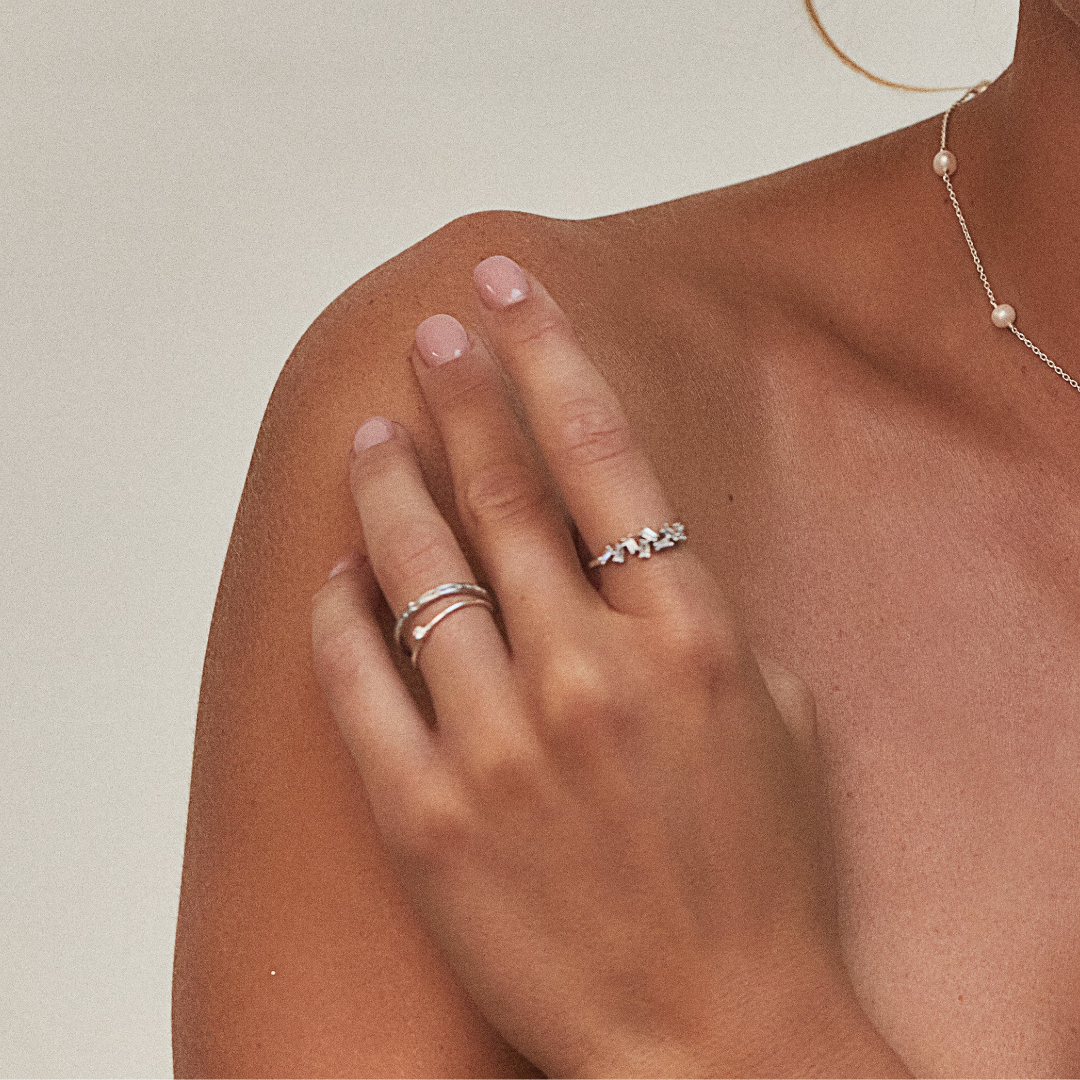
column 505, row 497
column 412, row 549
column 608, row 484
column 377, row 715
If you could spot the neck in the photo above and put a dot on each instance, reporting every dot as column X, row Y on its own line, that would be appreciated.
column 1020, row 143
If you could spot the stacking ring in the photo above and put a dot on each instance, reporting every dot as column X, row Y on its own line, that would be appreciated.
column 643, row 544
column 470, row 595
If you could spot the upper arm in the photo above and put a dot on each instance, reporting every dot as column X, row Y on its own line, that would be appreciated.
column 297, row 950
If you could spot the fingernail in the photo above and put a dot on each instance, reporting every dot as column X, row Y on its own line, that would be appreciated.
column 375, row 430
column 350, row 562
column 441, row 338
column 500, row 282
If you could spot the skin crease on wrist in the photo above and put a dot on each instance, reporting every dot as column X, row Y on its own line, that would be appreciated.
column 888, row 487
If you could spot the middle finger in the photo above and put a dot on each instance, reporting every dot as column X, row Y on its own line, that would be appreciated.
column 505, row 497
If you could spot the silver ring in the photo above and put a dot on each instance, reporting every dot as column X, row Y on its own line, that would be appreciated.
column 643, row 545
column 419, row 634
column 449, row 588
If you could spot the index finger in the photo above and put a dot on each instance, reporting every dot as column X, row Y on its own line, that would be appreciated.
column 607, row 483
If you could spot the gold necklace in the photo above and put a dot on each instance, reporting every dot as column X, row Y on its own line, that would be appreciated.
column 1002, row 316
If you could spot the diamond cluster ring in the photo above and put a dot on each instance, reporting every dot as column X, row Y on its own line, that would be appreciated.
column 643, row 545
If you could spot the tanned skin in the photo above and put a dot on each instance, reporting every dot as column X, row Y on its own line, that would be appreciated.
column 888, row 486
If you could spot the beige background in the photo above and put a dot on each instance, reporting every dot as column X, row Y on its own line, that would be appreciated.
column 183, row 186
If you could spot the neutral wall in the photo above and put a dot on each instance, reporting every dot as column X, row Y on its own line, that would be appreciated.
column 183, row 186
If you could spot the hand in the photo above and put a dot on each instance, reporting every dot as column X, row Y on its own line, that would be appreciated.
column 616, row 829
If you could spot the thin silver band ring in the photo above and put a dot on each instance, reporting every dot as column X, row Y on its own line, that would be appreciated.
column 418, row 634
column 448, row 588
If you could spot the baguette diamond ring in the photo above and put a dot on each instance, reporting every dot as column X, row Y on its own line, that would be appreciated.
column 642, row 545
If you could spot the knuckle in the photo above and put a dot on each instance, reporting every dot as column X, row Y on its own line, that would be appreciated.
column 434, row 825
column 593, row 434
column 419, row 552
column 576, row 694
column 337, row 655
column 698, row 643
column 510, row 774
column 468, row 387
column 540, row 332
column 505, row 494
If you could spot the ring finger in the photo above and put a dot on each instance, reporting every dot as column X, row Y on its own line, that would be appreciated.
column 412, row 549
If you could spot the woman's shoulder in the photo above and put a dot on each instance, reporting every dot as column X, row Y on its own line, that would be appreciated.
column 818, row 253
column 298, row 951
column 788, row 243
column 296, row 947
column 354, row 356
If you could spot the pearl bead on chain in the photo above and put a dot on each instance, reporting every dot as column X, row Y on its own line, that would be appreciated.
column 944, row 162
column 1002, row 316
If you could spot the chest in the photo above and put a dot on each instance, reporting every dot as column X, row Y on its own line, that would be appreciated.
column 928, row 592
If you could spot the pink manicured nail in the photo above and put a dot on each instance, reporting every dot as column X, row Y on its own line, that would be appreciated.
column 441, row 338
column 500, row 282
column 376, row 430
column 350, row 562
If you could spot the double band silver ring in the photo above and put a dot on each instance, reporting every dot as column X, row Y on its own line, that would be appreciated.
column 470, row 594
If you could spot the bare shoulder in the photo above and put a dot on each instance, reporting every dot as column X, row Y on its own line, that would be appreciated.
column 786, row 243
column 354, row 358
column 297, row 952
column 781, row 253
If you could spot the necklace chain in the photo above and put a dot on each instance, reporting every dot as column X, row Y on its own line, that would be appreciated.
column 1003, row 315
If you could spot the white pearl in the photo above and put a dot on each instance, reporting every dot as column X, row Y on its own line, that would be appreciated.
column 1003, row 316
column 944, row 162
